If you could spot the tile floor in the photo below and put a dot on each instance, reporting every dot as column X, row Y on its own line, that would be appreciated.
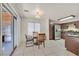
column 7, row 48
column 53, row 48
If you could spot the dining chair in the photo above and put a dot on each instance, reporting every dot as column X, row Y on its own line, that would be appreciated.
column 41, row 39
column 29, row 40
column 35, row 36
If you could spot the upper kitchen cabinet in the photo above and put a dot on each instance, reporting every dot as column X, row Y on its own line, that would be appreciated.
column 76, row 24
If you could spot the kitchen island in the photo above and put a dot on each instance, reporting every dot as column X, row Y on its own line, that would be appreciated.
column 72, row 43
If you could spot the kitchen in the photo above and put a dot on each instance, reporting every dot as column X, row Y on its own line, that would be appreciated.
column 69, row 31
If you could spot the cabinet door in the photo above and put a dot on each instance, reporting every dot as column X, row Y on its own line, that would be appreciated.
column 71, row 45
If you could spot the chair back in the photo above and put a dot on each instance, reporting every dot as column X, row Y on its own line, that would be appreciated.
column 28, row 37
column 41, row 37
column 35, row 34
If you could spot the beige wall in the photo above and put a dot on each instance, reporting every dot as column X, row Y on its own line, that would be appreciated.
column 43, row 27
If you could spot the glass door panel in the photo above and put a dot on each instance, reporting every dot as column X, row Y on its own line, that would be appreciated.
column 0, row 33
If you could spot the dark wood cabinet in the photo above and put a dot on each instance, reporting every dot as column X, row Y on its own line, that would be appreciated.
column 62, row 35
column 50, row 32
column 72, row 44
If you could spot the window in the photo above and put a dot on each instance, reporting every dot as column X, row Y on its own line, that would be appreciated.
column 33, row 27
column 37, row 27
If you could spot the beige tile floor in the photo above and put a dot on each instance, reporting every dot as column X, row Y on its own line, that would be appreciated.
column 53, row 48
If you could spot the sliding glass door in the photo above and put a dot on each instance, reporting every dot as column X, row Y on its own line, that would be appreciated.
column 7, row 31
column 0, row 32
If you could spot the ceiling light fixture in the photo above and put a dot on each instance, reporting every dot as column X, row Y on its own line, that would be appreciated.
column 38, row 12
column 68, row 17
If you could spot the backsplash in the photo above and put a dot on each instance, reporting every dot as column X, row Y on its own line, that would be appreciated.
column 70, row 28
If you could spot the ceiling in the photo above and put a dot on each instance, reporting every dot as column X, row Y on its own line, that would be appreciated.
column 51, row 11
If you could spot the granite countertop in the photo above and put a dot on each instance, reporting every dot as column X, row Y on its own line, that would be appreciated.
column 74, row 38
column 73, row 35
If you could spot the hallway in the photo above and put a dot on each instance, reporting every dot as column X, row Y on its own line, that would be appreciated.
column 53, row 48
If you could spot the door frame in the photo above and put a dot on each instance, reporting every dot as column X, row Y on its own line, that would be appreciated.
column 14, row 18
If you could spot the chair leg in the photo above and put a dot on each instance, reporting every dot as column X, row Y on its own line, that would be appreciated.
column 33, row 41
column 26, row 43
column 38, row 46
column 44, row 44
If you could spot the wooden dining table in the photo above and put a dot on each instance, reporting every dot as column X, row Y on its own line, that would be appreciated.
column 36, row 35
column 38, row 39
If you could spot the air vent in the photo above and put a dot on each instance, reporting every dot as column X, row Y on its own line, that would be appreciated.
column 26, row 10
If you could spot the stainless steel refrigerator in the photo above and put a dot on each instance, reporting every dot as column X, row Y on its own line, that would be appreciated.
column 57, row 32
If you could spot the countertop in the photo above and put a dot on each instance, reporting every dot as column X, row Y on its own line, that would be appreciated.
column 73, row 37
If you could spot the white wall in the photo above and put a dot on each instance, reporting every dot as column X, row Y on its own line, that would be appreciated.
column 18, row 30
column 43, row 27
